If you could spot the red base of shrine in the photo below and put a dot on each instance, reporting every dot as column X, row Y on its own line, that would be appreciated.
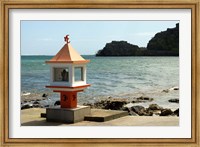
column 68, row 99
column 68, row 95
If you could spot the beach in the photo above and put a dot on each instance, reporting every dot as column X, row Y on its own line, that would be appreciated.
column 31, row 117
column 141, row 111
column 132, row 84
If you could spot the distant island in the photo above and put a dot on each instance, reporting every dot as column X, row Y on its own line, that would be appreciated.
column 165, row 43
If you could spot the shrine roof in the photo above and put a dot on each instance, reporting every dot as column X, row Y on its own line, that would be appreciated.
column 68, row 54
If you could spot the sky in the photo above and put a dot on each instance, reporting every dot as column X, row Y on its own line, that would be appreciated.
column 87, row 37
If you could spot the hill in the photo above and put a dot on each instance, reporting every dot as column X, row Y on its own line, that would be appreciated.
column 165, row 43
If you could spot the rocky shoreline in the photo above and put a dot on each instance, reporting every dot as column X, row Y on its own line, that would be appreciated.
column 135, row 110
column 134, row 106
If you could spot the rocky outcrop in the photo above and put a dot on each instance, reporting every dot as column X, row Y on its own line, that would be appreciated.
column 141, row 111
column 165, row 43
column 118, row 48
column 166, row 112
column 135, row 110
column 110, row 103
column 154, row 107
column 117, row 103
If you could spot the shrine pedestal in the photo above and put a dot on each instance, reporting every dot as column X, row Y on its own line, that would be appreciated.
column 67, row 115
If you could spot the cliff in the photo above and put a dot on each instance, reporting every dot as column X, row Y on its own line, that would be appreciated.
column 165, row 43
column 118, row 48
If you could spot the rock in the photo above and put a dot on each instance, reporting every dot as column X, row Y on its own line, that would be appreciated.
column 36, row 102
column 175, row 88
column 111, row 103
column 145, row 98
column 100, row 104
column 156, row 112
column 140, row 110
column 46, row 106
column 148, row 113
column 88, row 104
column 118, row 48
column 126, row 109
column 170, row 89
column 26, row 93
column 154, row 107
column 136, row 101
column 57, row 103
column 174, row 100
column 142, row 99
column 166, row 90
column 165, row 43
column 44, row 95
column 26, row 106
column 130, row 112
column 114, row 105
column 37, row 106
column 176, row 112
column 160, row 42
column 166, row 112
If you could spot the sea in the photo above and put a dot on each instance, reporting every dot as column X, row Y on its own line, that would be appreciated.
column 117, row 77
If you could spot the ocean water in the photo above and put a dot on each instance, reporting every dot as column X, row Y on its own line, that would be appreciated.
column 120, row 77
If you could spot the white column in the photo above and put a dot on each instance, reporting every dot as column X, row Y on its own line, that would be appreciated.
column 71, row 75
column 51, row 74
column 84, row 73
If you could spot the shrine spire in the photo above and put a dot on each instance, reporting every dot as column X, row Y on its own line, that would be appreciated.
column 66, row 38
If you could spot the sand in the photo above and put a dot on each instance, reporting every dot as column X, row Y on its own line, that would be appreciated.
column 31, row 117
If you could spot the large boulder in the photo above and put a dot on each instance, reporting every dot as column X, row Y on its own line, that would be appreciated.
column 140, row 110
column 111, row 103
column 115, row 105
column 154, row 107
column 129, row 110
column 176, row 112
column 166, row 112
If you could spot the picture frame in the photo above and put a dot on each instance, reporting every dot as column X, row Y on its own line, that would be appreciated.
column 193, row 5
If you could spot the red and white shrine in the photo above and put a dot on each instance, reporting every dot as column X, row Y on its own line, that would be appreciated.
column 68, row 77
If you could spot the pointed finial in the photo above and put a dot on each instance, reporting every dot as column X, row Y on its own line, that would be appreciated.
column 66, row 38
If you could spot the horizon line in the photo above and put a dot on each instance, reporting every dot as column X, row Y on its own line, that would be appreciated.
column 53, row 55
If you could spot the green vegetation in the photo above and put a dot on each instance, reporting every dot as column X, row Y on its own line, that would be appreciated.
column 164, row 43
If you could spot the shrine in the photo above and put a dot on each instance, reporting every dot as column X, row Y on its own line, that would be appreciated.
column 67, row 77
